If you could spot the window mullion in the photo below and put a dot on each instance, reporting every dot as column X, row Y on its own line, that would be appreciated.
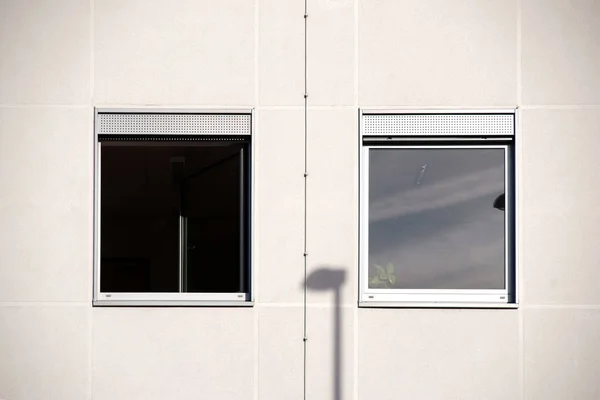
column 182, row 251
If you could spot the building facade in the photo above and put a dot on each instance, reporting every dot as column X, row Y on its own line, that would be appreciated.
column 306, row 73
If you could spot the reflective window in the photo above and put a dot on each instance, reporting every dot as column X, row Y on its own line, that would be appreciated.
column 431, row 218
column 437, row 217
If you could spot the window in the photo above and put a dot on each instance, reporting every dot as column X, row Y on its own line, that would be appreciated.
column 437, row 209
column 172, row 208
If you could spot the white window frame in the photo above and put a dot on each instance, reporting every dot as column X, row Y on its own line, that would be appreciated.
column 170, row 298
column 459, row 298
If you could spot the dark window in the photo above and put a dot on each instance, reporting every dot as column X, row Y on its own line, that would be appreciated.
column 174, row 216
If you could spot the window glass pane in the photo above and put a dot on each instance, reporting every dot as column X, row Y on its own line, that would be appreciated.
column 212, row 198
column 146, row 187
column 432, row 224
column 139, row 220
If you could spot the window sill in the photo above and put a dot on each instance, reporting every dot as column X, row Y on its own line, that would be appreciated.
column 170, row 303
column 398, row 304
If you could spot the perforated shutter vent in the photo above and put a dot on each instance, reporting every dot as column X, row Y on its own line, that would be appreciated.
column 173, row 138
column 480, row 125
column 173, row 124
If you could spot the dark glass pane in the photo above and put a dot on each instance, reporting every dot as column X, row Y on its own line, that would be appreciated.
column 145, row 190
column 139, row 219
column 432, row 221
column 212, row 203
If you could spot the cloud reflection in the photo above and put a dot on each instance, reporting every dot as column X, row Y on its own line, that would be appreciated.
column 444, row 194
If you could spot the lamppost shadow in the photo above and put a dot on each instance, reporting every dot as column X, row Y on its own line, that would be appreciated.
column 332, row 278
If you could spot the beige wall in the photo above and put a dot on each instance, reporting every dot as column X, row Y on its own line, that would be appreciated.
column 60, row 58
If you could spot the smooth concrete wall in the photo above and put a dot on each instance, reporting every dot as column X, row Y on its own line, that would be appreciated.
column 60, row 58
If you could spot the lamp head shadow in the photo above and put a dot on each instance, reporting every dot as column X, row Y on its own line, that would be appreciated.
column 326, row 278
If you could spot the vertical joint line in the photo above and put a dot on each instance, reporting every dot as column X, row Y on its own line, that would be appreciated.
column 304, row 327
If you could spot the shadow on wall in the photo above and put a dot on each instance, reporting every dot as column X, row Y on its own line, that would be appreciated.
column 328, row 278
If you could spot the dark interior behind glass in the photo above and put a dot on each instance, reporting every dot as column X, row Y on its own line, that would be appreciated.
column 150, row 192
